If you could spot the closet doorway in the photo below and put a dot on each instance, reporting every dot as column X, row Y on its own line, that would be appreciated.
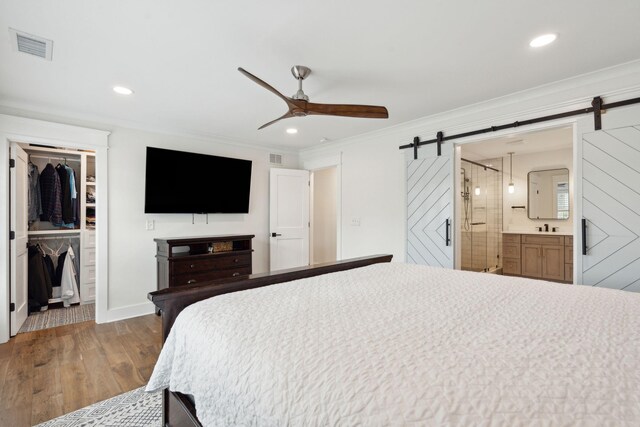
column 53, row 252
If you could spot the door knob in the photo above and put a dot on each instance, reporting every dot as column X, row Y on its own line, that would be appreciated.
column 275, row 234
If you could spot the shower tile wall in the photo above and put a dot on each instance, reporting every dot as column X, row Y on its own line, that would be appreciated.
column 482, row 244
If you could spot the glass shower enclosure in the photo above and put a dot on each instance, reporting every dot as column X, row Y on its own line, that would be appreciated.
column 481, row 215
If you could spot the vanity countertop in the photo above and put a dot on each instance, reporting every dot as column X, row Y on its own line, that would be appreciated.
column 544, row 233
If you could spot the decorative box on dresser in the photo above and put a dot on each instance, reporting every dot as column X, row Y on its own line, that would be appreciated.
column 188, row 260
column 538, row 256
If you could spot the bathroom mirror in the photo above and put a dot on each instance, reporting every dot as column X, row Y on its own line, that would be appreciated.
column 548, row 194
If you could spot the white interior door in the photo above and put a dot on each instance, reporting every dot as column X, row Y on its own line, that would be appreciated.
column 430, row 206
column 289, row 218
column 609, row 161
column 19, row 255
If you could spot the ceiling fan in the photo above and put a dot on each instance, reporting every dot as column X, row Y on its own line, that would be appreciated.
column 299, row 105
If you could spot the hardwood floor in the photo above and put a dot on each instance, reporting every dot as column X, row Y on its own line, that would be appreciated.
column 47, row 373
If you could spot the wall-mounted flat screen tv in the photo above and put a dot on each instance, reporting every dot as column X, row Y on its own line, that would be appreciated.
column 182, row 182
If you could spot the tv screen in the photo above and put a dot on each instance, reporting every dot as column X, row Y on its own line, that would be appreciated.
column 182, row 182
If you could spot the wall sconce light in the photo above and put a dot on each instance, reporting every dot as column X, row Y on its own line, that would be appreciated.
column 512, row 187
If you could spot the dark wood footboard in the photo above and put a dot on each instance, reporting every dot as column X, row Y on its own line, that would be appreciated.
column 178, row 410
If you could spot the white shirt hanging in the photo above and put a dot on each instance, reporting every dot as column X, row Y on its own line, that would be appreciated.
column 69, row 282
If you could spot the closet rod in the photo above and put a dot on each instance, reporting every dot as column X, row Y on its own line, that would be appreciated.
column 53, row 237
column 54, row 157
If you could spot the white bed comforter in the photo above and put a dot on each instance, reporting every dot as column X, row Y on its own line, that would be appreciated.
column 395, row 344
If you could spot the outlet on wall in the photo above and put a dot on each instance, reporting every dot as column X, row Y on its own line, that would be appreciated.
column 151, row 224
column 355, row 221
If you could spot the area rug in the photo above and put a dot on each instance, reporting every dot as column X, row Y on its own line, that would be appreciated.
column 58, row 317
column 132, row 409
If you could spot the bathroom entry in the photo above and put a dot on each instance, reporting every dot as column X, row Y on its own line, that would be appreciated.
column 499, row 202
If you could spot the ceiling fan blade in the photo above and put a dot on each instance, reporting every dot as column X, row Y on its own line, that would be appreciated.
column 265, row 85
column 347, row 110
column 285, row 116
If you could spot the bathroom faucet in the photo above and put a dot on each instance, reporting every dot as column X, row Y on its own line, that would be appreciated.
column 546, row 227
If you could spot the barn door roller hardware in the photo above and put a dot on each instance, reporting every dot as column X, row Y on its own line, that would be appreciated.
column 597, row 107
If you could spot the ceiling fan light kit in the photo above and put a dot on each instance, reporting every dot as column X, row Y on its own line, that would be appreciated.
column 299, row 105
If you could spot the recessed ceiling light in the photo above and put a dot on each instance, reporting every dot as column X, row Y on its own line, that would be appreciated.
column 292, row 131
column 122, row 90
column 543, row 40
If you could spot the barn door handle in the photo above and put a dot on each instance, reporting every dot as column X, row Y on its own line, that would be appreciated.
column 584, row 236
column 447, row 235
column 275, row 234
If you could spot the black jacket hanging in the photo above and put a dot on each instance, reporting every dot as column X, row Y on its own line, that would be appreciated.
column 39, row 280
column 50, row 191
column 67, row 210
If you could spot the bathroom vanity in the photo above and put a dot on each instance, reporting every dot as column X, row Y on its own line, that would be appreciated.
column 547, row 256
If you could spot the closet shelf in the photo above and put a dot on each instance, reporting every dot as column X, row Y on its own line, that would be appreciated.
column 48, row 232
column 91, row 205
column 90, row 183
column 55, row 151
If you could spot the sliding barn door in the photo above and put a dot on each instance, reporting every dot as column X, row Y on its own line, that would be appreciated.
column 610, row 202
column 430, row 206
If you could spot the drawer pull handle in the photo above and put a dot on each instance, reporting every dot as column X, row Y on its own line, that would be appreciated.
column 236, row 260
column 236, row 274
column 191, row 281
column 192, row 265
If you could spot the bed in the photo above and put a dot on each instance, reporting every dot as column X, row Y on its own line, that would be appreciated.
column 397, row 344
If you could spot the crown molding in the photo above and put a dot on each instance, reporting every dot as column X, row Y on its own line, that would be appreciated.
column 110, row 124
column 613, row 83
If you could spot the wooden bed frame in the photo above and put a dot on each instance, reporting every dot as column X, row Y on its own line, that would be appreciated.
column 178, row 409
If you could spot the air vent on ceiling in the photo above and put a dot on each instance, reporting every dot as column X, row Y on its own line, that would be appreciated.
column 30, row 44
column 275, row 159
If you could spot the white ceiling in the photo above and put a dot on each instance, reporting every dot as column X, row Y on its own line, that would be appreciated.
column 180, row 57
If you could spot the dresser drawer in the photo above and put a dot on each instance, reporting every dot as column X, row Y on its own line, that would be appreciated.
column 568, row 273
column 511, row 266
column 510, row 238
column 212, row 262
column 568, row 254
column 511, row 250
column 199, row 277
column 543, row 240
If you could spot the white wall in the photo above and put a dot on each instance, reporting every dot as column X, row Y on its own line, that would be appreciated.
column 370, row 195
column 517, row 219
column 131, row 272
column 323, row 219
column 132, row 264
column 373, row 168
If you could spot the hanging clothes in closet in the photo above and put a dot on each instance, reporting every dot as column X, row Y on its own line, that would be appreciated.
column 39, row 281
column 68, row 193
column 34, row 207
column 68, row 278
column 51, row 192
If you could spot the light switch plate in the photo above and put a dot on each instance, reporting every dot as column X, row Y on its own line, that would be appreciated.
column 151, row 224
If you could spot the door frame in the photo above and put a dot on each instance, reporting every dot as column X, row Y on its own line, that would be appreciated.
column 324, row 163
column 572, row 121
column 24, row 130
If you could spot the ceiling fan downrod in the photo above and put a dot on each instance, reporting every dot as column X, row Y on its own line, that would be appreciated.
column 300, row 72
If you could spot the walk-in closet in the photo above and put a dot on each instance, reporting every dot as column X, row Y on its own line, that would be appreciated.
column 54, row 199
